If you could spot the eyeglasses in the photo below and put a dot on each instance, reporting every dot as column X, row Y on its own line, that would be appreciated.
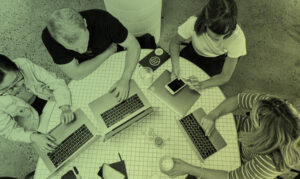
column 18, row 81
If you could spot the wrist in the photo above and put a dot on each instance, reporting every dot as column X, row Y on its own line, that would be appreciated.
column 65, row 107
column 196, row 171
column 213, row 115
column 33, row 135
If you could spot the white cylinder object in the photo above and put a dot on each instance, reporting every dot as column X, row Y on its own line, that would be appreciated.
column 138, row 16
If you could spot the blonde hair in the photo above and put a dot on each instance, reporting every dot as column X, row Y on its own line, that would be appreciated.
column 278, row 131
column 64, row 23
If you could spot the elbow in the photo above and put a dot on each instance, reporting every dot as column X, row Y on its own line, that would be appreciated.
column 76, row 76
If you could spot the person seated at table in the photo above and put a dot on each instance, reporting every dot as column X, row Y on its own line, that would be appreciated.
column 215, row 42
column 269, row 138
column 25, row 89
column 80, row 42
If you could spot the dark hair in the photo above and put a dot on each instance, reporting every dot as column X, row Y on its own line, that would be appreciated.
column 219, row 15
column 7, row 65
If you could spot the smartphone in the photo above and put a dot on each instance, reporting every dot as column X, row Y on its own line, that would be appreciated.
column 175, row 86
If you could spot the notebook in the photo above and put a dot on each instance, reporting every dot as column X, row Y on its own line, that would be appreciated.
column 155, row 58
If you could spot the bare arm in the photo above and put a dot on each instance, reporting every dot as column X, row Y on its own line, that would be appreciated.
column 121, row 87
column 174, row 52
column 132, row 55
column 224, row 76
column 227, row 106
column 207, row 173
column 78, row 71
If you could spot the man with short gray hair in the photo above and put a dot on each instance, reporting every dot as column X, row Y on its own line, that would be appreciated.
column 80, row 42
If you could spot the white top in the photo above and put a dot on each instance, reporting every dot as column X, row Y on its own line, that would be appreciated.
column 40, row 82
column 234, row 46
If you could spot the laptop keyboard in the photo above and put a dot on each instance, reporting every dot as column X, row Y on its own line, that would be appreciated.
column 122, row 109
column 70, row 145
column 197, row 136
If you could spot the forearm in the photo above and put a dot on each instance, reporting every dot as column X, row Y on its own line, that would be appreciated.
column 131, row 60
column 87, row 67
column 174, row 53
column 206, row 173
column 227, row 106
column 214, row 81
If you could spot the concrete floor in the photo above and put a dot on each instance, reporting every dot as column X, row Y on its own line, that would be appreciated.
column 272, row 65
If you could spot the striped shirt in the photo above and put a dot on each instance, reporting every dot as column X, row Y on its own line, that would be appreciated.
column 254, row 166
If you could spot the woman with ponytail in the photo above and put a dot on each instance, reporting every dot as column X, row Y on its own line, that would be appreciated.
column 268, row 134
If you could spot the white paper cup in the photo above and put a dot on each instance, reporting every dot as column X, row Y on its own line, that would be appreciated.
column 166, row 164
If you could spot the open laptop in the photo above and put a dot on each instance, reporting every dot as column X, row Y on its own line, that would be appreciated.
column 180, row 102
column 71, row 138
column 115, row 116
column 203, row 145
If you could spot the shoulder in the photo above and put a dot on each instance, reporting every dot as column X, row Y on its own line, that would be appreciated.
column 94, row 13
column 21, row 62
column 238, row 34
column 191, row 20
column 5, row 101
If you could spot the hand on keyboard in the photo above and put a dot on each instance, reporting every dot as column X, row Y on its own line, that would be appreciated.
column 67, row 115
column 45, row 142
column 208, row 124
column 120, row 89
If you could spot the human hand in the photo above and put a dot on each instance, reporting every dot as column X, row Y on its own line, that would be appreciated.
column 194, row 83
column 44, row 141
column 208, row 124
column 180, row 168
column 66, row 114
column 120, row 89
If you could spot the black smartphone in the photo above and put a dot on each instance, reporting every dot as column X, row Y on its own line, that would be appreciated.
column 175, row 86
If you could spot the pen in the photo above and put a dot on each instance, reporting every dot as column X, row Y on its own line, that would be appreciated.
column 120, row 156
column 76, row 172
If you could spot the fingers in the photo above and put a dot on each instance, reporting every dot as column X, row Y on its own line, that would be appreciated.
column 50, row 137
column 47, row 148
column 68, row 117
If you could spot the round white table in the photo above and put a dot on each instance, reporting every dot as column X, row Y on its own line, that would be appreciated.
column 136, row 144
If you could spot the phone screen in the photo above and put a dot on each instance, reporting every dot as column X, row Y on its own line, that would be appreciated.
column 176, row 85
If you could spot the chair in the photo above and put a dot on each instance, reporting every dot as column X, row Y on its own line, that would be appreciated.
column 138, row 16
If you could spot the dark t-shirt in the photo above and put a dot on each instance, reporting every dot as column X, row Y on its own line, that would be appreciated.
column 104, row 29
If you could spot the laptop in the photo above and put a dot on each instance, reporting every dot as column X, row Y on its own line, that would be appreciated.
column 114, row 116
column 204, row 146
column 72, row 139
column 180, row 102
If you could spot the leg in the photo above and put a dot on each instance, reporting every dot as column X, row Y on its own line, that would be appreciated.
column 191, row 55
column 215, row 65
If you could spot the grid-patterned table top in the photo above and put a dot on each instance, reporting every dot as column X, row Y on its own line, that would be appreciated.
column 136, row 144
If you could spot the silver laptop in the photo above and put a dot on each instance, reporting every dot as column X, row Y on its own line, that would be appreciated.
column 204, row 146
column 72, row 139
column 180, row 102
column 115, row 116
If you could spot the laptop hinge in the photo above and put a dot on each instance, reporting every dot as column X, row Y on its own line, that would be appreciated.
column 128, row 123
